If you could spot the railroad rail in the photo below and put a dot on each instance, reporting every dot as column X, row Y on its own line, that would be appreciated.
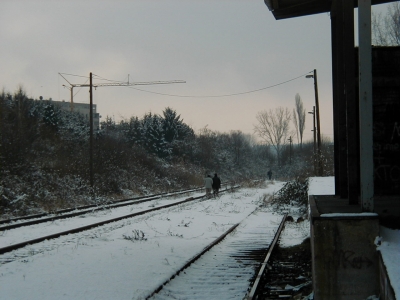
column 225, row 267
column 287, row 276
column 81, row 210
column 264, row 265
column 93, row 225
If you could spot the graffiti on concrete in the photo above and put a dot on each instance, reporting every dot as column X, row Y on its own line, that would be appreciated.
column 386, row 153
column 349, row 259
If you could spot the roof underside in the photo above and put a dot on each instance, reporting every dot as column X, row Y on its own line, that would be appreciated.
column 284, row 9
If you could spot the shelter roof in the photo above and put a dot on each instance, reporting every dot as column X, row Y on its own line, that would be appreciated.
column 284, row 9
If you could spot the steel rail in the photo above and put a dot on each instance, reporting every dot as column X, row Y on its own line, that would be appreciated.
column 215, row 242
column 264, row 264
column 93, row 225
column 93, row 206
column 244, row 255
column 69, row 212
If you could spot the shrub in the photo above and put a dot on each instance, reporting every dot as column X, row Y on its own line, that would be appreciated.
column 293, row 193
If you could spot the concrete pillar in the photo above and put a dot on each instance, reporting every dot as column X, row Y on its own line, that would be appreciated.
column 345, row 261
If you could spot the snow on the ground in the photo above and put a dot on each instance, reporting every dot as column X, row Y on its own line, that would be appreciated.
column 390, row 250
column 321, row 185
column 390, row 239
column 255, row 232
column 21, row 234
column 126, row 259
column 294, row 233
column 116, row 261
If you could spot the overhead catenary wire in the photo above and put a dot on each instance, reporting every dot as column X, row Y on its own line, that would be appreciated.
column 220, row 96
column 80, row 88
column 102, row 78
column 73, row 75
column 190, row 96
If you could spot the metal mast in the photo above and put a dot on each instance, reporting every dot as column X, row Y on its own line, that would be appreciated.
column 95, row 85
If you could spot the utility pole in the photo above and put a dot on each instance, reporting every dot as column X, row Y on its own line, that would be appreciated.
column 290, row 149
column 91, row 133
column 91, row 85
column 315, row 140
column 320, row 166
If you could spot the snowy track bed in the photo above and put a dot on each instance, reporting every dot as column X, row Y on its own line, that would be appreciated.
column 225, row 271
column 26, row 233
column 12, row 223
column 127, row 259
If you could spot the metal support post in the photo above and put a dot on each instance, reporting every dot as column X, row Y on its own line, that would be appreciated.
column 365, row 105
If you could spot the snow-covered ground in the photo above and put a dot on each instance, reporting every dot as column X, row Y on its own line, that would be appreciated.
column 389, row 239
column 130, row 258
column 35, row 231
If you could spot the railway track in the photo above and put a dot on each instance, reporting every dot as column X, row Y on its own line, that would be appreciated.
column 288, row 275
column 39, row 239
column 224, row 269
column 228, row 268
column 81, row 210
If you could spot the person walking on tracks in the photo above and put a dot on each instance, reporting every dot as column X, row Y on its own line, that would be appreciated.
column 208, row 182
column 216, row 185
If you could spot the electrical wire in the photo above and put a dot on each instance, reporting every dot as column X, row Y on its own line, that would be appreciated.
column 192, row 96
column 102, row 78
column 74, row 75
column 80, row 88
column 219, row 96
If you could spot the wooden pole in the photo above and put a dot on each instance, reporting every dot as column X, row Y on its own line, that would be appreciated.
column 91, row 132
column 320, row 166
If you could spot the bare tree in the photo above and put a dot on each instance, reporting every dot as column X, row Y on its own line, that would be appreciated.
column 386, row 29
column 299, row 119
column 273, row 128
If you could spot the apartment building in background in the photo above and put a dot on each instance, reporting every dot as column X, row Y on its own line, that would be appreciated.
column 82, row 108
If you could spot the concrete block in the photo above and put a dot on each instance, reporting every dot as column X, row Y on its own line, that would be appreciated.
column 345, row 261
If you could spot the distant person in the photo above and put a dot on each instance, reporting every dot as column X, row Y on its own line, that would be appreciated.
column 269, row 174
column 208, row 182
column 216, row 184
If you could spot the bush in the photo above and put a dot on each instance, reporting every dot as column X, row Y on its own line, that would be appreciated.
column 293, row 193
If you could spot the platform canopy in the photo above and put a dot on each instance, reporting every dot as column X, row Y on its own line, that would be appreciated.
column 284, row 9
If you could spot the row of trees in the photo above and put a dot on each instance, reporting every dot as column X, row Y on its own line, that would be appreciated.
column 386, row 28
column 44, row 155
column 273, row 126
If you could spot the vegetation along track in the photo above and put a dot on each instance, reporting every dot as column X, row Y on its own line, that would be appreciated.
column 92, row 225
column 225, row 267
column 81, row 210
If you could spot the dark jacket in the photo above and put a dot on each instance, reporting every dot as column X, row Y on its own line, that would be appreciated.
column 216, row 182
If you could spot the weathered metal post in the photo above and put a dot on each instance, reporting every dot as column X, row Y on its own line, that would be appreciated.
column 365, row 105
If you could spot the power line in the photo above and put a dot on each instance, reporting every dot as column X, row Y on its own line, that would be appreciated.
column 102, row 78
column 74, row 75
column 189, row 96
column 110, row 83
column 219, row 96
column 80, row 88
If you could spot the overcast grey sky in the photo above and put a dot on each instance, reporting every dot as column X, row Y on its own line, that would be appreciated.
column 218, row 47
